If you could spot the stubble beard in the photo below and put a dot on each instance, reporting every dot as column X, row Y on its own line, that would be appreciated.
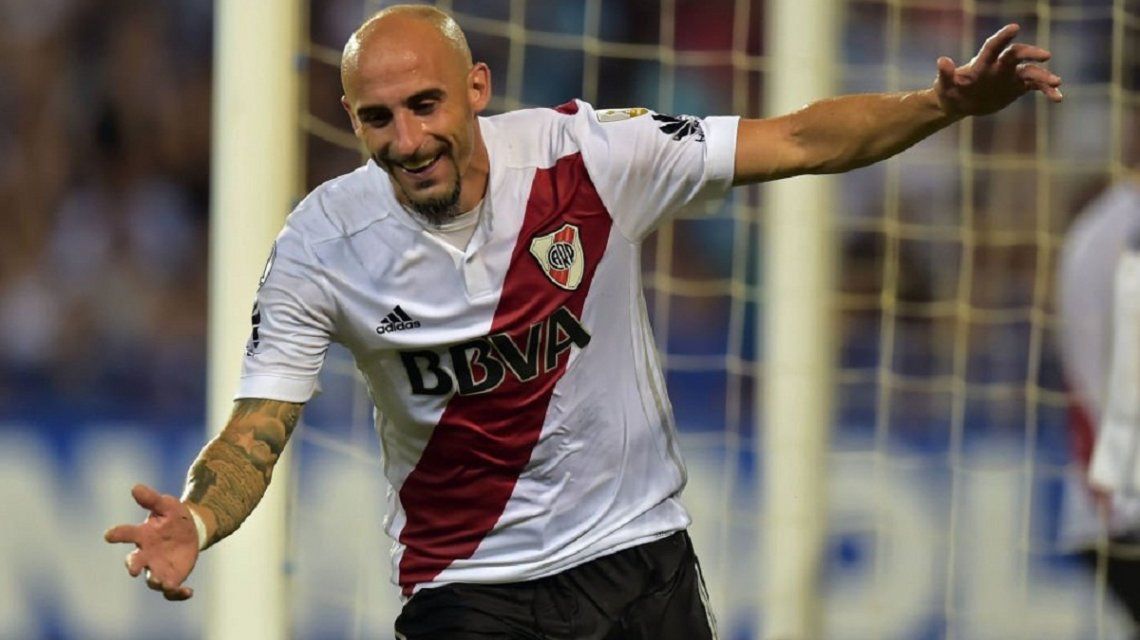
column 435, row 211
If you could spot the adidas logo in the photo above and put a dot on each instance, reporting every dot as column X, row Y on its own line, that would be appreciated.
column 398, row 320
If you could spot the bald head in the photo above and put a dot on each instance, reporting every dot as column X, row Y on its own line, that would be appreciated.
column 404, row 27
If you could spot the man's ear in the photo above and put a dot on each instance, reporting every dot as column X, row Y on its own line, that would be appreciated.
column 479, row 86
column 351, row 115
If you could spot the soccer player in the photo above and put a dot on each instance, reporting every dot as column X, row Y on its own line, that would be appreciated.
column 485, row 274
column 1098, row 284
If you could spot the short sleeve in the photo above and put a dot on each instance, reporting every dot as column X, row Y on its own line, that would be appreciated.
column 292, row 325
column 648, row 166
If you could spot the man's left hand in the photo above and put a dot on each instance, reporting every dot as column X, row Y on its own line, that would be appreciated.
column 1002, row 72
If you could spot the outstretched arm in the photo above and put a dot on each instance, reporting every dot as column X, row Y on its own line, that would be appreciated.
column 232, row 473
column 840, row 134
column 224, row 485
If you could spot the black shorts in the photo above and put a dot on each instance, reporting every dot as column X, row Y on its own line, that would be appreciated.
column 654, row 591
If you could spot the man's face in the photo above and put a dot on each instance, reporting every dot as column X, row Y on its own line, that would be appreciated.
column 412, row 103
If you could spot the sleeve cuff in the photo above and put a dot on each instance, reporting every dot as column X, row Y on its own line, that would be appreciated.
column 720, row 145
column 271, row 387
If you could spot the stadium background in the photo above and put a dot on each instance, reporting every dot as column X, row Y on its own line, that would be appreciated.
column 104, row 173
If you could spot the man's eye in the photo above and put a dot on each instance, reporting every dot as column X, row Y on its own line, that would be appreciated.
column 424, row 108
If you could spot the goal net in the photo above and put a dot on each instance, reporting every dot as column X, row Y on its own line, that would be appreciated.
column 949, row 447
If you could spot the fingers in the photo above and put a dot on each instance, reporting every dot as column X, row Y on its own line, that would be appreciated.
column 155, row 584
column 997, row 43
column 146, row 497
column 122, row 533
column 135, row 563
column 176, row 595
column 1018, row 53
column 1038, row 76
column 946, row 69
column 170, row 591
column 141, row 560
column 1040, row 79
column 946, row 66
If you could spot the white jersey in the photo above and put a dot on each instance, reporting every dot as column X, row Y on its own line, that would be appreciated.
column 1094, row 246
column 520, row 405
column 1116, row 458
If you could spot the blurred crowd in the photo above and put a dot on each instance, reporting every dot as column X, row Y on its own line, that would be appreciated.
column 104, row 171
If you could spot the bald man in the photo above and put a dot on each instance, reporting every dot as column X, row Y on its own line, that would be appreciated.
column 485, row 274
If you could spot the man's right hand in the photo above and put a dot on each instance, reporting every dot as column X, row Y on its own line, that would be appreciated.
column 166, row 543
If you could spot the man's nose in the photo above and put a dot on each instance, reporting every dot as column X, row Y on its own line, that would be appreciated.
column 409, row 135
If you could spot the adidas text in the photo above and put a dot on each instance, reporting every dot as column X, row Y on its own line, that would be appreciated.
column 398, row 320
column 397, row 326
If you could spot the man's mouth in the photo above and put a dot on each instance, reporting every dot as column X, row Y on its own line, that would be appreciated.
column 416, row 167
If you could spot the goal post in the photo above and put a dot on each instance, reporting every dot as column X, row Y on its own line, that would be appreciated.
column 255, row 175
column 797, row 333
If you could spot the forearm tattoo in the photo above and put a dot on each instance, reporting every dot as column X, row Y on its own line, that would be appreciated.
column 233, row 471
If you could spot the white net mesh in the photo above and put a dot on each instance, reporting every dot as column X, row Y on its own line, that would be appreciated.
column 950, row 443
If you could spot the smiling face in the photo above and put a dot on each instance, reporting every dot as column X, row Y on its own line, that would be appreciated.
column 413, row 94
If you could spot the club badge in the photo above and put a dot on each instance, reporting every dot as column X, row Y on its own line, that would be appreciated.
column 560, row 256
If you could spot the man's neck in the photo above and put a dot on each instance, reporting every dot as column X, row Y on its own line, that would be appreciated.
column 473, row 184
